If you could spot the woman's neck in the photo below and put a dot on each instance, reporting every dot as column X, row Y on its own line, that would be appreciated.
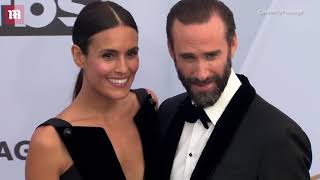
column 89, row 104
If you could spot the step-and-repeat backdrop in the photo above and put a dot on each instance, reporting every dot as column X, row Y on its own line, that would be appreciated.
column 278, row 46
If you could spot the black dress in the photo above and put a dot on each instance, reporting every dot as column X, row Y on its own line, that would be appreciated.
column 92, row 152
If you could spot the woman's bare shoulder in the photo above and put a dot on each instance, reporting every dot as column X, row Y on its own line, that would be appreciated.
column 46, row 138
column 46, row 154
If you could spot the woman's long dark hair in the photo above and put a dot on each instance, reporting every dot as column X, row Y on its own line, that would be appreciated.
column 93, row 18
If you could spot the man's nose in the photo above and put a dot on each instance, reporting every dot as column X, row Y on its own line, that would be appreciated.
column 202, row 71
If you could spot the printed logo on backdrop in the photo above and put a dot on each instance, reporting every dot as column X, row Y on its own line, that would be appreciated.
column 38, row 17
column 19, row 151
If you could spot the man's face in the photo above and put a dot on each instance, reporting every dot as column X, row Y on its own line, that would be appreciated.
column 202, row 58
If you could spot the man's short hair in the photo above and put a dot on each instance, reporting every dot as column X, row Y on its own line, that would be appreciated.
column 200, row 11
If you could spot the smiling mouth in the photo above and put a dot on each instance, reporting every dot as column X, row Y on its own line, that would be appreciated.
column 118, row 81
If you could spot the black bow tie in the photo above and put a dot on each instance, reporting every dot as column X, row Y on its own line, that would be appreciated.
column 194, row 113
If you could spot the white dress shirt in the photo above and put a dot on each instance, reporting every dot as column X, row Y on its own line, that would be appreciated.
column 195, row 136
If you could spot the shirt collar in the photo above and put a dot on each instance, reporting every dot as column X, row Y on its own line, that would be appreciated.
column 215, row 111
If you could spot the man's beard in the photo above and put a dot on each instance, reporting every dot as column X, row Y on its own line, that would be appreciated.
column 206, row 99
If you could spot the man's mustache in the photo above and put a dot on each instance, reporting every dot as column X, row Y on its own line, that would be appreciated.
column 196, row 81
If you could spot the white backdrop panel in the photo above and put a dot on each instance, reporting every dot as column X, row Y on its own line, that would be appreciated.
column 276, row 52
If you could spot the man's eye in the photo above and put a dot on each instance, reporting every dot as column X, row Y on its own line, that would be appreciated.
column 210, row 56
column 188, row 57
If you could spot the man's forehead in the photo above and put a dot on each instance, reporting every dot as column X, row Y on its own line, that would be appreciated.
column 214, row 24
column 213, row 29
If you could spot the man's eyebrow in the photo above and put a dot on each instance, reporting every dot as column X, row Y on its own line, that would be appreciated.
column 213, row 53
column 186, row 54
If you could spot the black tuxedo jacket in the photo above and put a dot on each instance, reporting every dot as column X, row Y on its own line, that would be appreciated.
column 252, row 140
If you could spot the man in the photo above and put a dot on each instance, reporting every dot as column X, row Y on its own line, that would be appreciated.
column 220, row 129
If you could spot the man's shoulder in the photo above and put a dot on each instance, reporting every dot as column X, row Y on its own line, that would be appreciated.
column 274, row 128
column 173, row 102
column 171, row 105
column 271, row 118
column 265, row 109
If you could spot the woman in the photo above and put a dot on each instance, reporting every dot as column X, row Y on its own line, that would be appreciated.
column 106, row 132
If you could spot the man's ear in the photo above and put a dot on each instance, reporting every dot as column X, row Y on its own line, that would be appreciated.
column 234, row 45
column 171, row 51
column 78, row 56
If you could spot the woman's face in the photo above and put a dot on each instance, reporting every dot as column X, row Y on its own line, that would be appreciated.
column 112, row 61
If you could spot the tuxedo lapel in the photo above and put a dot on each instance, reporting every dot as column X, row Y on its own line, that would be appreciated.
column 224, row 130
column 171, row 140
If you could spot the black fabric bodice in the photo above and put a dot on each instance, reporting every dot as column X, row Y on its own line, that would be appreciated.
column 91, row 149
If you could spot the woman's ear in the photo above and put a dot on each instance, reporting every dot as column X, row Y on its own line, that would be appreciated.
column 78, row 56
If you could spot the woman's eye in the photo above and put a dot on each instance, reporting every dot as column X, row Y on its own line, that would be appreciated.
column 132, row 53
column 107, row 55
